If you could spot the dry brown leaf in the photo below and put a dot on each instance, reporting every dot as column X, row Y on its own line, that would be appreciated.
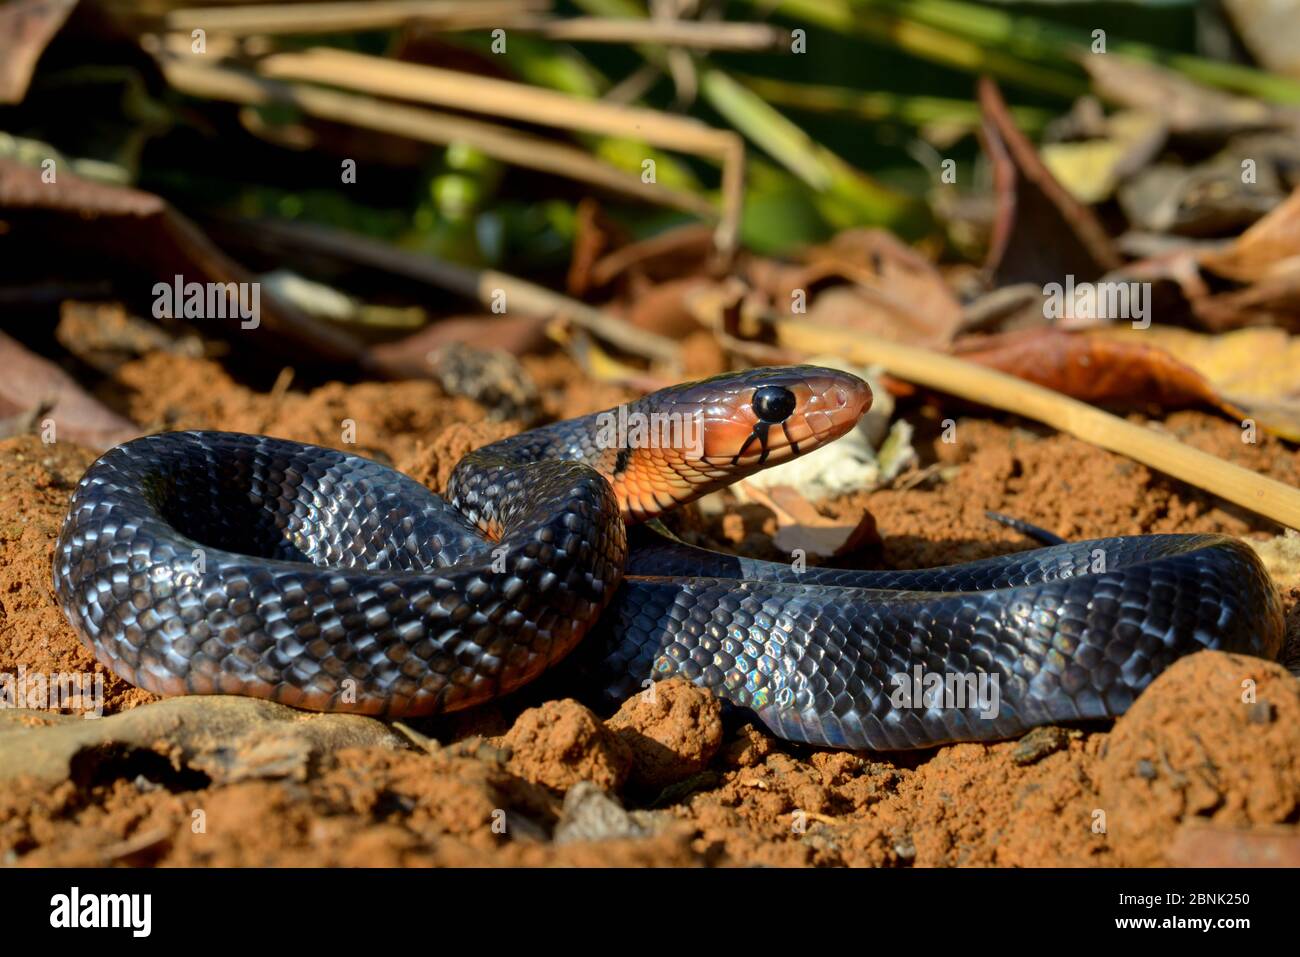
column 1041, row 233
column 663, row 307
column 31, row 382
column 668, row 255
column 143, row 240
column 408, row 357
column 1094, row 368
column 1270, row 249
column 1256, row 370
column 1251, row 373
column 26, row 28
column 866, row 280
column 594, row 235
column 801, row 527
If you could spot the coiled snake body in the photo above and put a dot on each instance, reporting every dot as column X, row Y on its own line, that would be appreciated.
column 211, row 562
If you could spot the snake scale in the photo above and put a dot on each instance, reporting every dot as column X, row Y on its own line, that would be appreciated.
column 214, row 562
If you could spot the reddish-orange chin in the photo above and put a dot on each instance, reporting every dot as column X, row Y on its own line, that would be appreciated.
column 656, row 480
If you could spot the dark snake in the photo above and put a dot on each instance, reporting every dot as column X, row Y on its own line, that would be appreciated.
column 215, row 562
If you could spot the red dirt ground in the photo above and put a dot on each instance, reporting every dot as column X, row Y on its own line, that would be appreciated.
column 1193, row 774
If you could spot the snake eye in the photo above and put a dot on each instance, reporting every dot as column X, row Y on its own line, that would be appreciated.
column 773, row 403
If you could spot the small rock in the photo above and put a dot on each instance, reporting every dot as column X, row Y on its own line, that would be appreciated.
column 590, row 814
column 1038, row 744
column 1261, row 712
column 476, row 747
column 493, row 378
column 905, row 847
column 142, row 783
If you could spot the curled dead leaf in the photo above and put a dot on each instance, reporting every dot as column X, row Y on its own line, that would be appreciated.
column 801, row 528
column 94, row 226
column 26, row 28
column 867, row 280
column 1092, row 368
column 1253, row 372
column 1269, row 249
column 1250, row 373
column 1041, row 233
column 31, row 382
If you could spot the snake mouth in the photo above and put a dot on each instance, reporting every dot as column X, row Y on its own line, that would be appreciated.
column 761, row 434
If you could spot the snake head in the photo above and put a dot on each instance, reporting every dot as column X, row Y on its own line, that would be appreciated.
column 731, row 426
column 768, row 416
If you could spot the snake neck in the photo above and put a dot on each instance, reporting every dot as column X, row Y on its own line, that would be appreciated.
column 645, row 481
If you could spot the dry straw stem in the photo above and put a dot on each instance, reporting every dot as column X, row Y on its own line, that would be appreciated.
column 276, row 18
column 427, row 126
column 483, row 285
column 304, row 18
column 718, row 35
column 934, row 370
column 518, row 101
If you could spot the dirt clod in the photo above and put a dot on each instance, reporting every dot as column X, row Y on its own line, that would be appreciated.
column 562, row 743
column 1188, row 749
column 672, row 730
